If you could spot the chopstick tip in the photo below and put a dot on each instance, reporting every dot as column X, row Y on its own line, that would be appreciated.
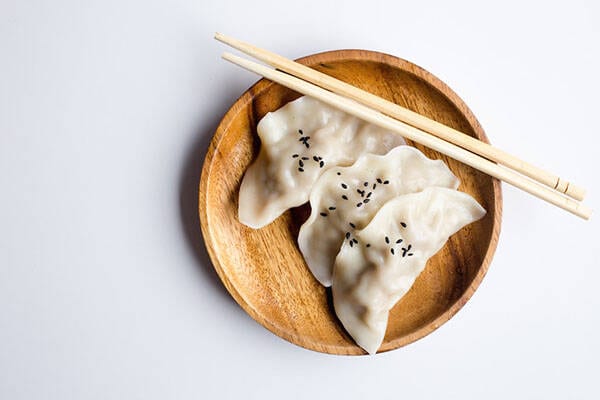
column 583, row 211
column 232, row 58
column 588, row 214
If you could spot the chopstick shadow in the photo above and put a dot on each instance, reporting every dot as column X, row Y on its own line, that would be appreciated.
column 188, row 200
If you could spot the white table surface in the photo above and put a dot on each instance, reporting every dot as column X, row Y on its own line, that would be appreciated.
column 106, row 291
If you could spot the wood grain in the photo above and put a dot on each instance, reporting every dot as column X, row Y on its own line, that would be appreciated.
column 264, row 270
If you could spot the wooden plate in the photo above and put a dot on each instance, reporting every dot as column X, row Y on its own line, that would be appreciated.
column 264, row 270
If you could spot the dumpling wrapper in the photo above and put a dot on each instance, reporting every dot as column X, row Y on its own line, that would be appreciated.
column 299, row 142
column 369, row 278
column 345, row 199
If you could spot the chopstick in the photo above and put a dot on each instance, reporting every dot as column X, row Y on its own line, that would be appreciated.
column 363, row 112
column 405, row 115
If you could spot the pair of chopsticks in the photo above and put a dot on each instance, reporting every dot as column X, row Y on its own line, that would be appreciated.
column 413, row 126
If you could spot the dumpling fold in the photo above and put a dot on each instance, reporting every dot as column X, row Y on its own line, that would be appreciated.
column 344, row 200
column 372, row 274
column 299, row 142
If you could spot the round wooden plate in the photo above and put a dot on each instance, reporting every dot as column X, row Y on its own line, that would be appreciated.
column 264, row 270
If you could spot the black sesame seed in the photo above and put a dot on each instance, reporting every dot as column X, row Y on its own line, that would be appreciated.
column 301, row 163
column 351, row 244
column 301, row 169
column 347, row 235
column 398, row 241
column 387, row 239
column 295, row 155
column 305, row 158
column 366, row 201
column 339, row 173
column 386, row 182
column 368, row 244
column 374, row 186
column 323, row 214
column 344, row 186
column 366, row 184
column 300, row 131
column 359, row 204
column 379, row 180
column 410, row 254
column 392, row 251
column 304, row 140
column 352, row 225
column 321, row 164
column 403, row 224
column 369, row 194
column 355, row 241
column 315, row 158
column 332, row 208
column 344, row 197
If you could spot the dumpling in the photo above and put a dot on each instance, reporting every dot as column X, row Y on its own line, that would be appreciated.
column 345, row 199
column 299, row 142
column 388, row 255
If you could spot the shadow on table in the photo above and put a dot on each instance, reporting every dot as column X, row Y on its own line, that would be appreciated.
column 188, row 196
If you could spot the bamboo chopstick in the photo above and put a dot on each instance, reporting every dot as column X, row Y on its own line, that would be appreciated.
column 407, row 116
column 361, row 111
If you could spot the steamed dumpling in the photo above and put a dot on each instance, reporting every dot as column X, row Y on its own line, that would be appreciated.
column 299, row 142
column 345, row 199
column 391, row 251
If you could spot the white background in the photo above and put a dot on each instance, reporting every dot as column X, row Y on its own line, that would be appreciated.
column 106, row 291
